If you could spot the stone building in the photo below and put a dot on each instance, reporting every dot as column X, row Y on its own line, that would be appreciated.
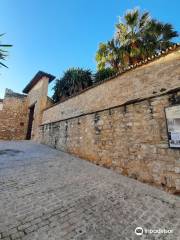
column 20, row 114
column 13, row 116
column 37, row 99
column 119, row 123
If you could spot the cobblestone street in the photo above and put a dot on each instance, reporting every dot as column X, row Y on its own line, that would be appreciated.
column 46, row 194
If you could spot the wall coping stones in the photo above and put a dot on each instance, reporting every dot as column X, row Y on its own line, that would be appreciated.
column 133, row 101
column 153, row 58
column 9, row 93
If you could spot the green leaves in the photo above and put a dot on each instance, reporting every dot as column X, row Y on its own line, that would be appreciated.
column 2, row 64
column 137, row 37
column 101, row 55
column 131, row 18
column 73, row 81
column 5, row 45
column 104, row 74
column 144, row 20
column 108, row 55
column 3, row 53
column 121, row 33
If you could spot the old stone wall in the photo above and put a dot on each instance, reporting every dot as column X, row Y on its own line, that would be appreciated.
column 121, row 123
column 38, row 96
column 148, row 80
column 13, row 117
column 131, row 139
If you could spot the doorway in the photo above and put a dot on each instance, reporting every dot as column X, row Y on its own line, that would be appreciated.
column 30, row 123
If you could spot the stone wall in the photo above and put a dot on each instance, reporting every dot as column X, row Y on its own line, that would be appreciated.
column 148, row 80
column 121, row 123
column 13, row 117
column 38, row 96
column 131, row 139
column 16, row 109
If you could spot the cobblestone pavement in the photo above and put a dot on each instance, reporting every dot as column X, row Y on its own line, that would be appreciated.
column 50, row 195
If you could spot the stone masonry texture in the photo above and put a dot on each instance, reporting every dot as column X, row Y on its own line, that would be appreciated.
column 13, row 117
column 46, row 194
column 14, row 111
column 130, row 137
column 156, row 77
column 37, row 96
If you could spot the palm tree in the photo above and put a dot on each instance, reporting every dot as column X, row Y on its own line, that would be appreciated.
column 58, row 90
column 108, row 55
column 3, row 53
column 103, row 74
column 73, row 81
column 137, row 37
column 142, row 36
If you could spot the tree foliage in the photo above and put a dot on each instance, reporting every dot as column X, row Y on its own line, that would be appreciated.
column 137, row 37
column 104, row 74
column 73, row 81
column 3, row 52
column 108, row 55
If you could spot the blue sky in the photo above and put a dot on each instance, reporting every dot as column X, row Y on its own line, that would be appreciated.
column 53, row 35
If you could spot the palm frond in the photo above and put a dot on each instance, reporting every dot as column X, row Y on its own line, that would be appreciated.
column 2, row 64
column 131, row 18
column 3, row 53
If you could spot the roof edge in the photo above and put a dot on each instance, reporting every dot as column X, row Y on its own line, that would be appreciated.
column 36, row 78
